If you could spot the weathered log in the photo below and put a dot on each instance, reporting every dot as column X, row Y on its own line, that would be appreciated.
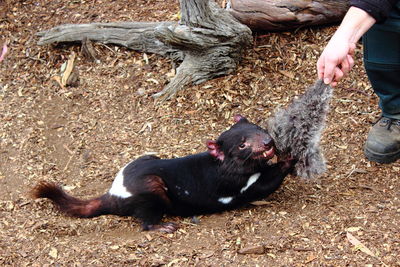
column 139, row 36
column 207, row 38
column 274, row 15
column 211, row 39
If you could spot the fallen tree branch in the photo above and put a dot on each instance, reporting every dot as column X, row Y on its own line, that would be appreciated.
column 139, row 36
column 275, row 15
column 207, row 39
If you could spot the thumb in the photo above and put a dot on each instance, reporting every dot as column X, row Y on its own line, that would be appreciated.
column 320, row 68
column 329, row 72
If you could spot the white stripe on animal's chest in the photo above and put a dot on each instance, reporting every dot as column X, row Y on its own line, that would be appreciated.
column 117, row 188
column 251, row 181
column 225, row 200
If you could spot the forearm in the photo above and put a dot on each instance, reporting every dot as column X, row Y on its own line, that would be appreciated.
column 355, row 23
column 378, row 9
column 337, row 58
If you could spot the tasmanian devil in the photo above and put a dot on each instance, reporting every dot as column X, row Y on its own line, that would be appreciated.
column 235, row 170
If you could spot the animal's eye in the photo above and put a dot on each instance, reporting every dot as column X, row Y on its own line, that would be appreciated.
column 242, row 145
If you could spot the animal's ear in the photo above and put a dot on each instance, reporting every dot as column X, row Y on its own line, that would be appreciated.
column 238, row 118
column 214, row 150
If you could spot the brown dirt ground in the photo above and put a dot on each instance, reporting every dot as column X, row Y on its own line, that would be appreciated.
column 81, row 136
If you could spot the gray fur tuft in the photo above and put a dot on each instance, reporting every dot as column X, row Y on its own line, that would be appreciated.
column 297, row 129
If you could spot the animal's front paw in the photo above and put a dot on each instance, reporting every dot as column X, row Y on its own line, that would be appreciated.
column 169, row 227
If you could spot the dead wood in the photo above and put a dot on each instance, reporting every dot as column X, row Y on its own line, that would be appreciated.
column 207, row 38
column 284, row 14
column 139, row 36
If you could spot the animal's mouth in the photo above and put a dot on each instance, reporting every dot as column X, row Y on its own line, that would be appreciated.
column 267, row 154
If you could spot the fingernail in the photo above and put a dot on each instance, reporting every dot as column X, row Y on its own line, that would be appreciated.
column 327, row 81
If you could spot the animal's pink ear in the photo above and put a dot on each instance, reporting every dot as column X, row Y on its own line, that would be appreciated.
column 214, row 150
column 238, row 118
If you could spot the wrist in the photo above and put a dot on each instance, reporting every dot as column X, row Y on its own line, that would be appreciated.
column 355, row 23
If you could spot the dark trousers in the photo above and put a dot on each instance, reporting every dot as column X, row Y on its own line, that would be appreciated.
column 382, row 63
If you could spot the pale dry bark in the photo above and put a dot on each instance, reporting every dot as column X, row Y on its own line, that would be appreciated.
column 207, row 39
column 139, row 36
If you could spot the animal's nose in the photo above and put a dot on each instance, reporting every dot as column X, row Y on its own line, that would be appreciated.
column 268, row 143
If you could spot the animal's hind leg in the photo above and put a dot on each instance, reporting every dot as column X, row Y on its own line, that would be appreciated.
column 150, row 208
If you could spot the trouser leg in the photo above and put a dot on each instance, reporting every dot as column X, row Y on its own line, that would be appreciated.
column 382, row 63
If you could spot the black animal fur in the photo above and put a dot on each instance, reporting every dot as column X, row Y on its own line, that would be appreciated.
column 208, row 182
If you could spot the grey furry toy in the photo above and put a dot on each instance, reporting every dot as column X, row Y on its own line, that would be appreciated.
column 297, row 129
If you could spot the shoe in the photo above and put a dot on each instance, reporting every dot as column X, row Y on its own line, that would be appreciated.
column 383, row 142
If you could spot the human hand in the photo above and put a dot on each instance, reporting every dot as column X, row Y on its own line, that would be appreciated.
column 336, row 60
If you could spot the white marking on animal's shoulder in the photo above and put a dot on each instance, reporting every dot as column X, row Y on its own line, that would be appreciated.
column 251, row 181
column 225, row 200
column 117, row 188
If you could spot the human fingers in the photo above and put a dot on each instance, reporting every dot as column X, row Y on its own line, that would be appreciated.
column 345, row 66
column 350, row 59
column 320, row 67
column 329, row 69
column 338, row 75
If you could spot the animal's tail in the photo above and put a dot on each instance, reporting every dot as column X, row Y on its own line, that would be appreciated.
column 70, row 205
